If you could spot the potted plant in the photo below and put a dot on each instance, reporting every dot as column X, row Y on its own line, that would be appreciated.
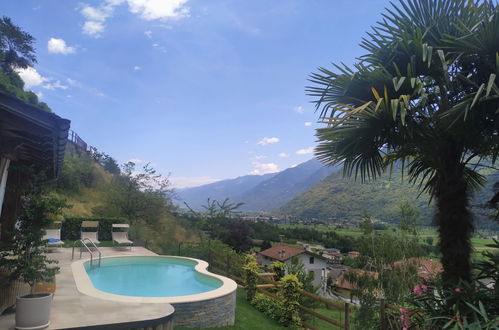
column 25, row 259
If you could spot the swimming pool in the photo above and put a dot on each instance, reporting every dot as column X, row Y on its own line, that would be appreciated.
column 200, row 298
column 150, row 277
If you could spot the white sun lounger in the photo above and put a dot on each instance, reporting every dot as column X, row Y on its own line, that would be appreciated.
column 54, row 237
column 92, row 235
column 120, row 236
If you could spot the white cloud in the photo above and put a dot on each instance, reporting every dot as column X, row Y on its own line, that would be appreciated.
column 283, row 155
column 194, row 181
column 148, row 34
column 54, row 85
column 96, row 14
column 305, row 151
column 135, row 160
column 93, row 28
column 96, row 17
column 308, row 123
column 73, row 82
column 267, row 140
column 258, row 157
column 299, row 109
column 58, row 46
column 31, row 77
column 39, row 94
column 137, row 68
column 158, row 9
column 264, row 168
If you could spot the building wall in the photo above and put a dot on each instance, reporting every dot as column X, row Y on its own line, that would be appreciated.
column 316, row 267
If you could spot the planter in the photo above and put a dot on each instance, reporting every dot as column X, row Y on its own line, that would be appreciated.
column 33, row 311
column 9, row 291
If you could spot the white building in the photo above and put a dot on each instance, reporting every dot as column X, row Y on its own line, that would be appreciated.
column 284, row 253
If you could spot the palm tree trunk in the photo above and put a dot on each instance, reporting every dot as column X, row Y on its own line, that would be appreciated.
column 453, row 218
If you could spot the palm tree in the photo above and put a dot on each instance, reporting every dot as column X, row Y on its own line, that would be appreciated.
column 425, row 95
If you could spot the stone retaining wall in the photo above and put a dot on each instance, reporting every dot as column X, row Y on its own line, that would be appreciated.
column 210, row 313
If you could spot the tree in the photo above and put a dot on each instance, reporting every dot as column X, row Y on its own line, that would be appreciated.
column 137, row 196
column 38, row 208
column 265, row 245
column 237, row 235
column 424, row 95
column 110, row 164
column 16, row 47
column 408, row 218
column 367, row 224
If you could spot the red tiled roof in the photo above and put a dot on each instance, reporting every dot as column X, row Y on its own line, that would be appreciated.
column 343, row 283
column 425, row 267
column 282, row 252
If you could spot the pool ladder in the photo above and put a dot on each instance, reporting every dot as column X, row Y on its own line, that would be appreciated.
column 82, row 242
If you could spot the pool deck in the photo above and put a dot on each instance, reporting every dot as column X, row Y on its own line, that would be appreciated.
column 74, row 310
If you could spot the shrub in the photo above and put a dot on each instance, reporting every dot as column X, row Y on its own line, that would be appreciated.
column 289, row 299
column 251, row 270
column 469, row 305
column 268, row 306
column 279, row 269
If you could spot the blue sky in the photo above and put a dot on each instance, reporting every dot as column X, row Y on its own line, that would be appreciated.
column 202, row 89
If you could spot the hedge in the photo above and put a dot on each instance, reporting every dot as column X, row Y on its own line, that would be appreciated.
column 71, row 227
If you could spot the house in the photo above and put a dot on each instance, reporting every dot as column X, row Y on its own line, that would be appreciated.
column 426, row 268
column 343, row 287
column 284, row 253
column 333, row 257
column 353, row 254
column 28, row 136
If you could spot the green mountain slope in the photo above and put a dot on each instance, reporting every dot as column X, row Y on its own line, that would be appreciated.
column 258, row 192
column 337, row 198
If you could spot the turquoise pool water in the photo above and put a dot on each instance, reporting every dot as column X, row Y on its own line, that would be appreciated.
column 150, row 277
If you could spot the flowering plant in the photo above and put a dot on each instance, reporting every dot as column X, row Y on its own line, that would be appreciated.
column 459, row 307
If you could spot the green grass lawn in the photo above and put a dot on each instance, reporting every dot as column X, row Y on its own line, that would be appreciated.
column 332, row 313
column 248, row 318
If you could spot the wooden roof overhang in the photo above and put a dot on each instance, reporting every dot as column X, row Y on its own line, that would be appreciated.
column 32, row 136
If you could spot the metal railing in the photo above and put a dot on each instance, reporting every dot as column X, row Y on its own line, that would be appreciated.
column 77, row 140
column 82, row 241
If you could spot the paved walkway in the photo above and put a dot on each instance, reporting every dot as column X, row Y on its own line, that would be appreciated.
column 72, row 309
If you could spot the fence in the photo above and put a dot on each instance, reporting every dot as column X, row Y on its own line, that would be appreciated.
column 232, row 267
column 75, row 138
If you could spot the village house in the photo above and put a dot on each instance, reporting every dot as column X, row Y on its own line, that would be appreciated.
column 353, row 254
column 426, row 268
column 334, row 257
column 284, row 253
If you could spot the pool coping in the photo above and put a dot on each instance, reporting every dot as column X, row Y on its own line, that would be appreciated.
column 85, row 286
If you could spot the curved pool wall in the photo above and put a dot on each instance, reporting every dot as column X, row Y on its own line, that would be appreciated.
column 213, row 308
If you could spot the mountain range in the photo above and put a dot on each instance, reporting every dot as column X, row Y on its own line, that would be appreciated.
column 266, row 192
column 312, row 190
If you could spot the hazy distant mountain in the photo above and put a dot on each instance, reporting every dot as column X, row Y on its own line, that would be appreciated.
column 271, row 194
column 260, row 192
column 230, row 188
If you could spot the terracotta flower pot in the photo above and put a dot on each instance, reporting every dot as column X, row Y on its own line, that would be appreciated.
column 33, row 311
